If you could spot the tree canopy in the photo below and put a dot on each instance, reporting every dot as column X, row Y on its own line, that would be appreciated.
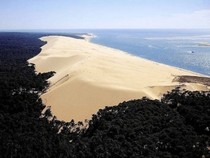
column 177, row 126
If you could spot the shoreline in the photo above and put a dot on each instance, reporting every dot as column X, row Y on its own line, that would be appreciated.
column 91, row 76
column 89, row 36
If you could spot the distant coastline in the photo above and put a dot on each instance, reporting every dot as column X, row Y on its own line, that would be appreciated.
column 204, row 44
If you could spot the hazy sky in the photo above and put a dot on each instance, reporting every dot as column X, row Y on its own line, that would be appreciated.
column 68, row 14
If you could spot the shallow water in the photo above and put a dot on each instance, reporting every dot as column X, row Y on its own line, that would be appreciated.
column 178, row 48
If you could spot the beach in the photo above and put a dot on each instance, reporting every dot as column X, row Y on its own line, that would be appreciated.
column 91, row 76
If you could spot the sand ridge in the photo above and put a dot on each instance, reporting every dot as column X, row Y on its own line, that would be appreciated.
column 90, row 76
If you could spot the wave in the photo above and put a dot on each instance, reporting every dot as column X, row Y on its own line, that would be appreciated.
column 200, row 37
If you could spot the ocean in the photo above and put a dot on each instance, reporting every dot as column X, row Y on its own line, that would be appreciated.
column 180, row 48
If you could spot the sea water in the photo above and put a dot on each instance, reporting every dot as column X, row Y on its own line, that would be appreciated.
column 180, row 48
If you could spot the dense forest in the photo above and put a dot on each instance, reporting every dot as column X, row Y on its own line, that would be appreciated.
column 178, row 126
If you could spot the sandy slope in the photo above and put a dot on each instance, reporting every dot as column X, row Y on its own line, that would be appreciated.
column 90, row 76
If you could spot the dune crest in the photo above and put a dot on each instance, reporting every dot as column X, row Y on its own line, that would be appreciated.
column 90, row 76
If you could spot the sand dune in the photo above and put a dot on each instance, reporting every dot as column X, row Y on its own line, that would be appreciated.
column 90, row 76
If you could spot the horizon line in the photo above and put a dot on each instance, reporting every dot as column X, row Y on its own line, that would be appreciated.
column 52, row 29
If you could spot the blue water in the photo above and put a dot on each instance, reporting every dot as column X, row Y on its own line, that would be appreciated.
column 172, row 47
column 169, row 46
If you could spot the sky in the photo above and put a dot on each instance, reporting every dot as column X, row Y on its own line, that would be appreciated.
column 106, row 14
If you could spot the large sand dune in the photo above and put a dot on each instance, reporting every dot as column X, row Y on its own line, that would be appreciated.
column 90, row 76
